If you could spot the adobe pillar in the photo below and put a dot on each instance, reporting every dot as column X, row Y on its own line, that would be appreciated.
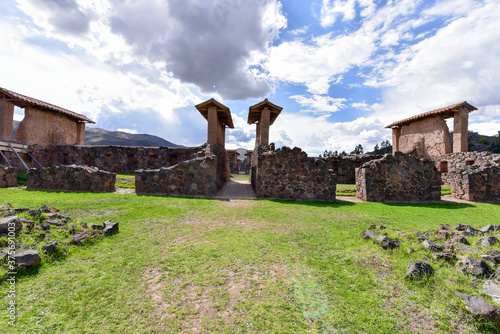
column 460, row 128
column 263, row 114
column 218, row 117
column 6, row 120
column 80, row 133
column 396, row 133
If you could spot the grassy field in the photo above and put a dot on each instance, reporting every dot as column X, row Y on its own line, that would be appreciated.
column 211, row 266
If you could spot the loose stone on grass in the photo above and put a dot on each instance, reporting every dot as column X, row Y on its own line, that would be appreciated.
column 9, row 221
column 432, row 246
column 110, row 228
column 27, row 258
column 419, row 269
column 389, row 243
column 475, row 267
column 51, row 246
column 368, row 234
column 78, row 239
column 480, row 307
column 487, row 241
column 492, row 289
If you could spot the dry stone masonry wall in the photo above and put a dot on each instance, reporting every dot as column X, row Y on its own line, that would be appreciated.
column 288, row 173
column 455, row 162
column 476, row 183
column 401, row 177
column 345, row 167
column 71, row 178
column 202, row 176
column 8, row 177
column 116, row 159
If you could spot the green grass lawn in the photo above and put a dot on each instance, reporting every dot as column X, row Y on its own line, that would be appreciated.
column 126, row 181
column 240, row 177
column 191, row 265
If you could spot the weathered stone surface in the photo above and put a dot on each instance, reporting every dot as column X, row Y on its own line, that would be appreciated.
column 480, row 307
column 96, row 226
column 490, row 228
column 49, row 209
column 5, row 206
column 423, row 236
column 27, row 258
column 494, row 254
column 476, row 267
column 466, row 249
column 458, row 238
column 54, row 222
column 10, row 224
column 445, row 227
column 201, row 176
column 368, row 234
column 487, row 241
column 455, row 162
column 345, row 167
column 389, row 243
column 71, row 178
column 492, row 289
column 489, row 260
column 447, row 256
column 115, row 159
column 50, row 247
column 8, row 177
column 110, row 228
column 78, row 239
column 442, row 234
column 45, row 226
column 380, row 238
column 289, row 174
column 419, row 269
column 432, row 246
column 400, row 177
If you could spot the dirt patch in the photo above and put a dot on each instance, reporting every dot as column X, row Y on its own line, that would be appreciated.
column 238, row 203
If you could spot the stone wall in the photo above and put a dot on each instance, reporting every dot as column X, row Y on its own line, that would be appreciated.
column 401, row 177
column 8, row 177
column 345, row 167
column 116, row 159
column 290, row 174
column 454, row 163
column 476, row 183
column 47, row 128
column 71, row 178
column 203, row 176
column 426, row 138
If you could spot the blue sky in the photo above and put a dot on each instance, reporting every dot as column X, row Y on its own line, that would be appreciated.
column 342, row 70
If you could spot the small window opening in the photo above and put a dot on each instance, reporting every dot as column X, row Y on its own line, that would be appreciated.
column 130, row 159
column 443, row 167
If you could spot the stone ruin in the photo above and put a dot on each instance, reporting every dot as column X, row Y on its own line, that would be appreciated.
column 427, row 136
column 289, row 174
column 401, row 177
column 8, row 177
column 71, row 178
column 345, row 167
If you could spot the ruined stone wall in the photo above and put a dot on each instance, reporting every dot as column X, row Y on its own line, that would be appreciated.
column 401, row 177
column 426, row 138
column 345, row 167
column 290, row 174
column 71, row 178
column 453, row 163
column 8, row 177
column 476, row 183
column 116, row 159
column 203, row 176
column 47, row 128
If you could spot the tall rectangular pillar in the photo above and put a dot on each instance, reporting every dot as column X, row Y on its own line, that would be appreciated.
column 6, row 120
column 396, row 134
column 213, row 121
column 80, row 133
column 265, row 120
column 460, row 128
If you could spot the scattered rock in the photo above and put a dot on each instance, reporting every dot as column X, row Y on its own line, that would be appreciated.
column 380, row 238
column 432, row 246
column 487, row 241
column 21, row 210
column 480, row 307
column 462, row 227
column 492, row 289
column 83, row 224
column 445, row 227
column 54, row 222
column 368, row 234
column 50, row 247
column 410, row 250
column 494, row 254
column 10, row 222
column 77, row 239
column 48, row 209
column 488, row 259
column 447, row 256
column 110, row 228
column 490, row 228
column 389, row 243
column 381, row 227
column 5, row 206
column 45, row 226
column 6, row 213
column 27, row 258
column 422, row 236
column 442, row 234
column 54, row 215
column 418, row 269
column 458, row 238
column 475, row 267
column 466, row 249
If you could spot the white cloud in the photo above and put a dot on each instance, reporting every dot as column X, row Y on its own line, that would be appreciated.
column 319, row 104
column 131, row 131
column 331, row 9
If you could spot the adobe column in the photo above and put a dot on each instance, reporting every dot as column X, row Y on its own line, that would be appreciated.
column 212, row 125
column 218, row 117
column 6, row 120
column 80, row 133
column 460, row 128
column 396, row 133
column 265, row 120
column 263, row 114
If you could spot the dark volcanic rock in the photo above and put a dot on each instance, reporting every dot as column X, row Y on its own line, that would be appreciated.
column 389, row 243
column 458, row 238
column 447, row 256
column 487, row 242
column 110, row 228
column 27, row 258
column 77, row 239
column 12, row 222
column 432, row 246
column 368, row 234
column 418, row 269
column 50, row 247
column 475, row 267
column 480, row 307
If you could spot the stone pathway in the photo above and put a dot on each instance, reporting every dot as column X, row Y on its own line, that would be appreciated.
column 237, row 190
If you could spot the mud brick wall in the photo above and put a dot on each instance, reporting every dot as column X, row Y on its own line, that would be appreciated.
column 401, row 177
column 116, row 159
column 476, row 183
column 289, row 174
column 8, row 177
column 454, row 163
column 202, row 176
column 345, row 167
column 71, row 178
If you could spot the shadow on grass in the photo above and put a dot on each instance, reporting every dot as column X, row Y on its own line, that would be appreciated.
column 319, row 204
column 432, row 205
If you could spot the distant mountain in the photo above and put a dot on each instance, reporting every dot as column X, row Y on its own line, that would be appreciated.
column 97, row 136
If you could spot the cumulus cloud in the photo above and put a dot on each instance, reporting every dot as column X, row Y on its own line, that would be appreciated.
column 319, row 104
column 207, row 43
column 332, row 9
